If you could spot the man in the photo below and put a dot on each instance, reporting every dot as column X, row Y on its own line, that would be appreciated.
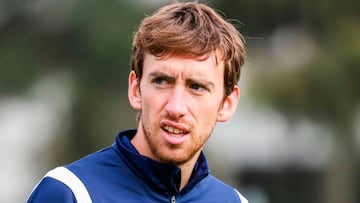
column 186, row 62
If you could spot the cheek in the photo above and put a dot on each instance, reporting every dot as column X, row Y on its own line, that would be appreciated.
column 208, row 109
column 206, row 117
column 151, row 106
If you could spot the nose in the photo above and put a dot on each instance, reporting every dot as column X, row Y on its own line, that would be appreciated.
column 176, row 105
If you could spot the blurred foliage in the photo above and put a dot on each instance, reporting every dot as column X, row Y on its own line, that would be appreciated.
column 325, row 89
column 262, row 17
column 92, row 40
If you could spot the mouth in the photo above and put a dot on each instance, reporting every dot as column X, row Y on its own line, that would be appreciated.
column 173, row 130
column 174, row 135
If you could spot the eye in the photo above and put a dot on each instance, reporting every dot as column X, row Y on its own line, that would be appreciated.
column 158, row 80
column 196, row 86
column 199, row 89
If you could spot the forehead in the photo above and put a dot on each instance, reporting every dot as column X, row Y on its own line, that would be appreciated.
column 210, row 64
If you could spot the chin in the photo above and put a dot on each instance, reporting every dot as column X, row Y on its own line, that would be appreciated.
column 175, row 158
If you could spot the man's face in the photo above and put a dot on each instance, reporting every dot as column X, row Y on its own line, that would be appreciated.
column 180, row 100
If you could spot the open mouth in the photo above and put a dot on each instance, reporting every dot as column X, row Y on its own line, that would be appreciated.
column 173, row 130
column 173, row 135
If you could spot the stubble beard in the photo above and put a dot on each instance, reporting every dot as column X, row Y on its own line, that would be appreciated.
column 164, row 156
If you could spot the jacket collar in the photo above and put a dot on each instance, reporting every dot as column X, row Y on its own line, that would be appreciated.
column 162, row 177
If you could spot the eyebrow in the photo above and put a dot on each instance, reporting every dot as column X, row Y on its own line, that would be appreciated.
column 171, row 79
column 163, row 75
column 206, row 83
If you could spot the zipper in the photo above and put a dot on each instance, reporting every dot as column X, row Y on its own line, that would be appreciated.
column 173, row 199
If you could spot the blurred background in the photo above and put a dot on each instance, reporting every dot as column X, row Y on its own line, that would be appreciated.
column 294, row 138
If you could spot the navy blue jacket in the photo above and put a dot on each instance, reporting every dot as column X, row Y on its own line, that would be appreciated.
column 120, row 174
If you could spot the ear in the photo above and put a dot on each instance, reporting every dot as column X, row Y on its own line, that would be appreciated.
column 134, row 91
column 229, row 105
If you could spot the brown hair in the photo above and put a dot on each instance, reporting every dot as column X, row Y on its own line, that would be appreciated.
column 190, row 30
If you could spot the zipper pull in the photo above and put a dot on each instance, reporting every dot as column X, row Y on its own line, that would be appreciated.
column 173, row 199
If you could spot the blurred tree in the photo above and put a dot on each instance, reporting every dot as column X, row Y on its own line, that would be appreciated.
column 326, row 89
column 91, row 40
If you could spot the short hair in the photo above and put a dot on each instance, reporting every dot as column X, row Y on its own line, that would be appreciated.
column 189, row 29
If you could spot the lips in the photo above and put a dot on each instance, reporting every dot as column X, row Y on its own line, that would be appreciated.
column 174, row 135
column 173, row 130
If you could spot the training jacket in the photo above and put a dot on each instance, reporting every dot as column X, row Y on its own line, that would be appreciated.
column 120, row 174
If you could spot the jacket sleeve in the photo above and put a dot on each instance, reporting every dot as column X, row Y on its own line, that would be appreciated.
column 51, row 190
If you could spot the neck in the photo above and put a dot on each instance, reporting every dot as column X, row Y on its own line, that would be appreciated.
column 186, row 170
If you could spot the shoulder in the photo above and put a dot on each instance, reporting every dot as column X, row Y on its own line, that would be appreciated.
column 62, row 185
column 51, row 190
column 103, row 157
column 97, row 168
column 59, row 183
column 222, row 190
column 242, row 198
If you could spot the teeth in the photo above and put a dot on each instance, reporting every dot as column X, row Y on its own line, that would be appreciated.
column 173, row 130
